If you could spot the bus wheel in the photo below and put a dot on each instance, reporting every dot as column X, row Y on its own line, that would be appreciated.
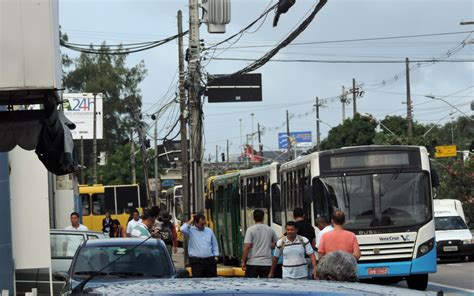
column 418, row 282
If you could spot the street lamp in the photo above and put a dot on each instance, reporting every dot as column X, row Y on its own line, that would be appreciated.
column 379, row 122
column 441, row 99
column 452, row 134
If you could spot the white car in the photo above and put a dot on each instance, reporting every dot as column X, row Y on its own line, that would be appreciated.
column 453, row 237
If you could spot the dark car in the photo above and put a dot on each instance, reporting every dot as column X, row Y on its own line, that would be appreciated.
column 246, row 286
column 64, row 244
column 108, row 261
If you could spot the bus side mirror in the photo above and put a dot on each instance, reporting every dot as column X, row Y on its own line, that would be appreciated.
column 208, row 204
column 434, row 178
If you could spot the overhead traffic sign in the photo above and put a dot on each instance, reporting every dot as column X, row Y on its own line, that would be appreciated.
column 445, row 151
column 240, row 88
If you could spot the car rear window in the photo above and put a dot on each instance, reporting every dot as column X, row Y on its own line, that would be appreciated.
column 65, row 245
column 142, row 261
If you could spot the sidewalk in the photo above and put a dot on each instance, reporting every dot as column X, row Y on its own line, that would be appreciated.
column 178, row 259
column 222, row 270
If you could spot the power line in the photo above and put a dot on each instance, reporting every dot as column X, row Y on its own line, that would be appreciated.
column 122, row 49
column 349, row 61
column 291, row 37
column 361, row 39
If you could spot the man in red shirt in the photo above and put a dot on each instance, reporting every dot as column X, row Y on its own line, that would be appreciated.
column 339, row 239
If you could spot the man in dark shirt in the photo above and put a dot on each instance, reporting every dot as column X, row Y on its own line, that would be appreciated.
column 305, row 229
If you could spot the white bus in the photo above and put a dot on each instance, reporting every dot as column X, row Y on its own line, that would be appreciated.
column 386, row 194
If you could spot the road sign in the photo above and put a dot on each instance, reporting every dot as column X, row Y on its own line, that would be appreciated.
column 241, row 88
column 79, row 108
column 300, row 139
column 445, row 151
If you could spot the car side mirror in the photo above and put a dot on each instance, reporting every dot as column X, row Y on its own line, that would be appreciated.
column 182, row 273
column 60, row 276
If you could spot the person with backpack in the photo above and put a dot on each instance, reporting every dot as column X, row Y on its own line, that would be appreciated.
column 168, row 234
column 293, row 247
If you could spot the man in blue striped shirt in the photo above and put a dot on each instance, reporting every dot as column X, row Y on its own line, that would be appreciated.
column 293, row 247
column 203, row 250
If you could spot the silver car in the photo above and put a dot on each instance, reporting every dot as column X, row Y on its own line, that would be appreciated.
column 64, row 244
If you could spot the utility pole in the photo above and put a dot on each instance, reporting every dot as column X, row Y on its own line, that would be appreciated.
column 155, row 143
column 141, row 139
column 260, row 146
column 195, row 108
column 288, row 156
column 82, row 160
column 183, row 121
column 252, row 134
column 217, row 154
column 132, row 159
column 318, row 131
column 94, row 142
column 354, row 97
column 241, row 144
column 409, row 106
column 227, row 154
column 343, row 101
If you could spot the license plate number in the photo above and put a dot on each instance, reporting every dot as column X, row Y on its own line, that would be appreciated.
column 450, row 248
column 378, row 271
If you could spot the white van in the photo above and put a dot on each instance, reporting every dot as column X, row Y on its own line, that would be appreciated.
column 453, row 237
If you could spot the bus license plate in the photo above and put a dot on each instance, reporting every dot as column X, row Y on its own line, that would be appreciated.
column 450, row 248
column 378, row 271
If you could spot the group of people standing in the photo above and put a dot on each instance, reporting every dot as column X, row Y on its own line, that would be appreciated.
column 298, row 252
column 151, row 223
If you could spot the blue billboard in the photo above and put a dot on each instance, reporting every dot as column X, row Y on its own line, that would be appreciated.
column 300, row 139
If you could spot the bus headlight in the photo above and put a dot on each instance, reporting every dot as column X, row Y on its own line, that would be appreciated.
column 468, row 241
column 425, row 247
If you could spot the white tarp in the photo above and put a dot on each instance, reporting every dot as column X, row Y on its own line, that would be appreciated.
column 29, row 210
column 79, row 108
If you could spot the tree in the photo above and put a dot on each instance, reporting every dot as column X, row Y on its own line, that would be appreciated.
column 357, row 131
column 456, row 182
column 107, row 74
column 117, row 169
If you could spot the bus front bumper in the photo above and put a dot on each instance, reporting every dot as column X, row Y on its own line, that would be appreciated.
column 421, row 265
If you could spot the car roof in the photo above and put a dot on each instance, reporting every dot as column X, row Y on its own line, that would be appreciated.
column 110, row 242
column 77, row 231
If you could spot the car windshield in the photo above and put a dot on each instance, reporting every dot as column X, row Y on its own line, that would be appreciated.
column 381, row 200
column 449, row 223
column 143, row 261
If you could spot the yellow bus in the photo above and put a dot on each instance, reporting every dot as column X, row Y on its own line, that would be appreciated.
column 118, row 200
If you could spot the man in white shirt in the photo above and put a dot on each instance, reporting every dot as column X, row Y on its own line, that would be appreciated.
column 134, row 222
column 75, row 225
column 322, row 222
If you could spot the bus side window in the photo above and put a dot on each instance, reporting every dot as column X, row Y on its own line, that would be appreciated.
column 85, row 205
column 276, row 204
column 98, row 204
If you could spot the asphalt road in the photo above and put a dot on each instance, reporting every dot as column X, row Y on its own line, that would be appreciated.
column 453, row 278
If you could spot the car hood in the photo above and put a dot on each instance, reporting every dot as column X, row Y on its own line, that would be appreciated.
column 459, row 234
column 234, row 286
column 101, row 282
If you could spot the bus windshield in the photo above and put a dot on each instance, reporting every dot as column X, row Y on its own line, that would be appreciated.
column 381, row 200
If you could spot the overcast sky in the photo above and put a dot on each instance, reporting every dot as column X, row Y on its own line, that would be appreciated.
column 294, row 86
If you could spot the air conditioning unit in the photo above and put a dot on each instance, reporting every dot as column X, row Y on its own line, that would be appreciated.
column 216, row 15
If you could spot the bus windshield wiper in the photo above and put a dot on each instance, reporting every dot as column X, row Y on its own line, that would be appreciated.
column 392, row 179
column 80, row 287
column 345, row 192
